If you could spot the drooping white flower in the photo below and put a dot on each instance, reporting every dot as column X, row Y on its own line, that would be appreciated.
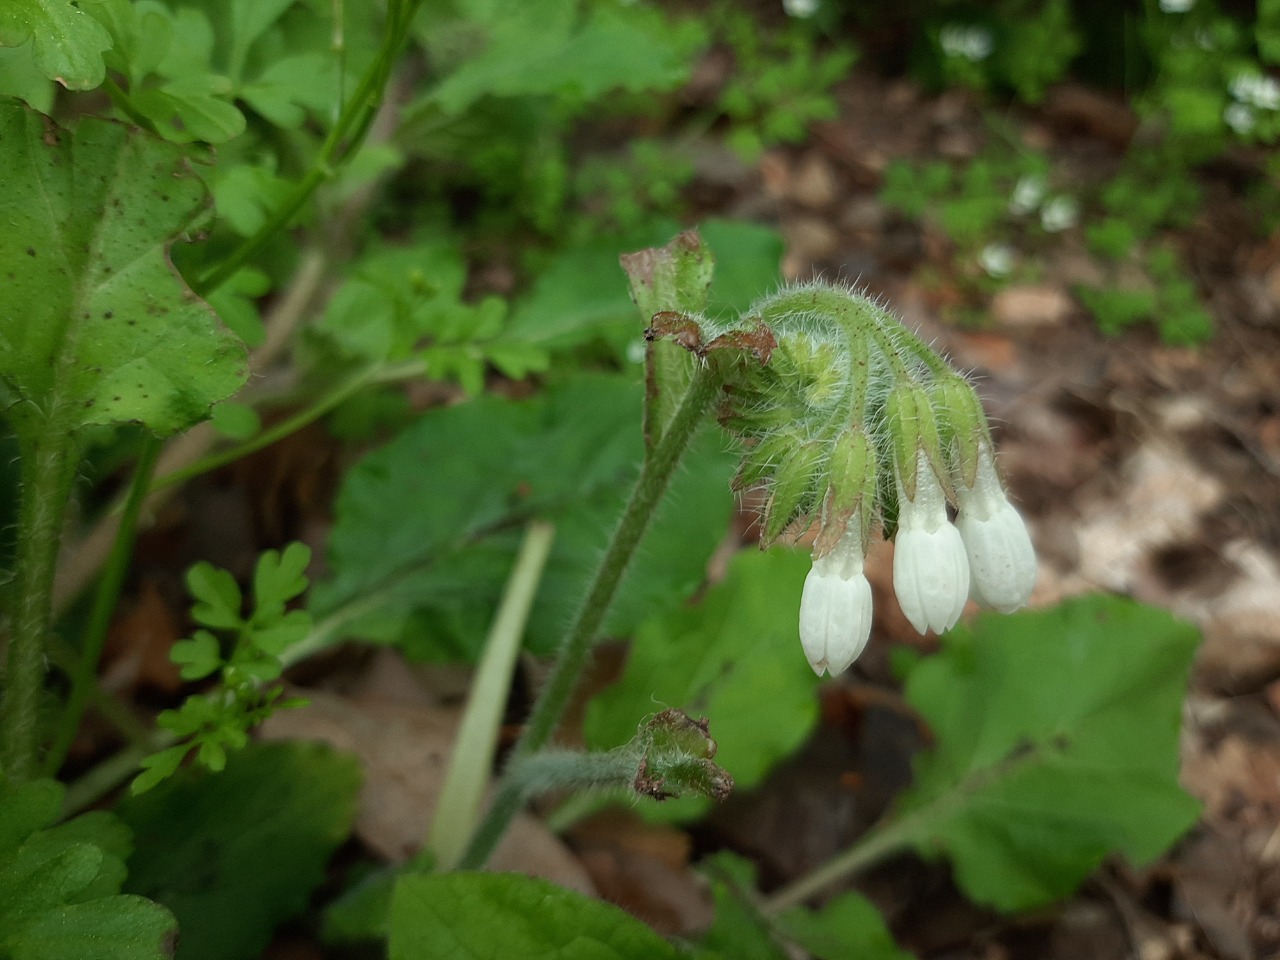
column 930, row 568
column 835, row 609
column 1002, row 561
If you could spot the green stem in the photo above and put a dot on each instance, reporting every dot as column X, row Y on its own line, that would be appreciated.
column 49, row 461
column 343, row 141
column 658, row 468
column 104, row 604
column 267, row 437
column 474, row 746
column 876, row 844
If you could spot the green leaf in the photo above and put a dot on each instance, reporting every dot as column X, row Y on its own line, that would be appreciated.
column 735, row 657
column 198, row 656
column 249, row 19
column 20, row 78
column 476, row 916
column 279, row 577
column 286, row 88
column 427, row 526
column 160, row 765
column 68, row 43
column 579, row 60
column 236, row 853
column 1267, row 30
column 845, row 928
column 192, row 108
column 140, row 38
column 1057, row 744
column 283, row 633
column 217, row 596
column 95, row 325
column 739, row 930
column 235, row 421
column 59, row 885
column 115, row 928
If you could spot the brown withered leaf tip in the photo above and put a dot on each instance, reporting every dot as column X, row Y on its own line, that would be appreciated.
column 684, row 331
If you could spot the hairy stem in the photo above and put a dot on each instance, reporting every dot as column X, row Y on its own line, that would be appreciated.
column 656, row 474
column 49, row 461
column 104, row 604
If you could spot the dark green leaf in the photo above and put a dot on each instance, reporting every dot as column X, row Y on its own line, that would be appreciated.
column 236, row 853
column 59, row 885
column 479, row 916
column 427, row 525
column 1057, row 744
column 96, row 326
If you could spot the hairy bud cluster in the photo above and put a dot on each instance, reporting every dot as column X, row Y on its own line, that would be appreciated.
column 853, row 422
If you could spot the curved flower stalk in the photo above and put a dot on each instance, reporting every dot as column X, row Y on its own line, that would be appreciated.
column 850, row 420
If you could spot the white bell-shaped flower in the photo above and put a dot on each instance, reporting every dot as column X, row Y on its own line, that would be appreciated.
column 1002, row 561
column 930, row 568
column 835, row 609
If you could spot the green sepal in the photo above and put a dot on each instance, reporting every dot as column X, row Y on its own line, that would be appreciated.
column 792, row 491
column 963, row 426
column 913, row 431
column 851, row 490
column 762, row 459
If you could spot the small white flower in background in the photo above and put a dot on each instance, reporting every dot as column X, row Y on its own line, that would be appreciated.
column 835, row 609
column 969, row 41
column 996, row 259
column 1027, row 194
column 1256, row 91
column 1002, row 561
column 1239, row 118
column 1059, row 214
column 930, row 567
column 801, row 9
column 1176, row 6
